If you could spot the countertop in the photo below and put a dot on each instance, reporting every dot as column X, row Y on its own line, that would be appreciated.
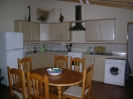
column 48, row 51
column 65, row 52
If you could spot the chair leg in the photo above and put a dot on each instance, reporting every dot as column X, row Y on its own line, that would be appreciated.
column 64, row 96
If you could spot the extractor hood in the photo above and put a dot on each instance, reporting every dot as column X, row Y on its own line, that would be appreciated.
column 78, row 16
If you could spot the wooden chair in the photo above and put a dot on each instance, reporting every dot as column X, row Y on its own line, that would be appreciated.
column 77, row 92
column 25, row 64
column 38, row 87
column 77, row 63
column 16, row 83
column 61, row 62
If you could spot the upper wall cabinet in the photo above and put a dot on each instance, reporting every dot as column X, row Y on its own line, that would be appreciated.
column 100, row 30
column 30, row 30
column 60, row 32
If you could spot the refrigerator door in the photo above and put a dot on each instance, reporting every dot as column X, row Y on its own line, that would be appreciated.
column 14, row 40
column 12, row 57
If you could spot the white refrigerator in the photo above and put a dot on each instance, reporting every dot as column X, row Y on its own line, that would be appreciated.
column 11, row 48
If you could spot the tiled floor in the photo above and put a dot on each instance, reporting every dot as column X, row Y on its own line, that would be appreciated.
column 99, row 91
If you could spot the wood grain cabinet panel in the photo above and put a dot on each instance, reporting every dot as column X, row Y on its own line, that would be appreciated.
column 98, row 68
column 34, row 61
column 41, row 60
column 100, row 30
column 30, row 30
column 60, row 32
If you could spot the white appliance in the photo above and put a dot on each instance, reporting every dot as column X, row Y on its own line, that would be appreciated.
column 73, row 55
column 130, row 46
column 114, row 72
column 11, row 48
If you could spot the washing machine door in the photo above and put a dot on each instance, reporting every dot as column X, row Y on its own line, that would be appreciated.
column 114, row 70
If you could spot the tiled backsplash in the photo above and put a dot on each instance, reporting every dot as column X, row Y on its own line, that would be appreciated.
column 78, row 47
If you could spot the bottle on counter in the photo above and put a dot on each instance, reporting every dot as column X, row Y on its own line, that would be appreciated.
column 89, row 50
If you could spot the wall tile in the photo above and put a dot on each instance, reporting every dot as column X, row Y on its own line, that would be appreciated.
column 79, row 47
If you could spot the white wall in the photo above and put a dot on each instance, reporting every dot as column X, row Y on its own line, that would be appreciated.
column 92, row 12
column 11, row 10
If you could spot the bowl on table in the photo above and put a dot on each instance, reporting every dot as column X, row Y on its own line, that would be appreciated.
column 54, row 71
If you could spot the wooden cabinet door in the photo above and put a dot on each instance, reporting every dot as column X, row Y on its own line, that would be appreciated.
column 88, row 60
column 34, row 61
column 42, row 60
column 50, row 59
column 53, row 35
column 107, row 30
column 59, row 32
column 65, row 33
column 98, row 68
column 92, row 30
column 35, row 31
column 24, row 27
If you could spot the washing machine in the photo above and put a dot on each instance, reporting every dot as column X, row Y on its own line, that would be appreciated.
column 114, row 72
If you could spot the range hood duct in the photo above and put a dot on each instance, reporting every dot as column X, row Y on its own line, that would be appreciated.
column 78, row 25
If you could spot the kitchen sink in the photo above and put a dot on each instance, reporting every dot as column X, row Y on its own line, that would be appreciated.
column 110, row 54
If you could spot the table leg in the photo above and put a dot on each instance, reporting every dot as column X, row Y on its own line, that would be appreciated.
column 59, row 91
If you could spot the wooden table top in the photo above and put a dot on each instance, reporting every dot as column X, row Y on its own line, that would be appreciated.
column 66, row 78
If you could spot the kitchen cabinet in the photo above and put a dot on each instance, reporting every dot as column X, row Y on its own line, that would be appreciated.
column 98, row 68
column 100, row 30
column 44, row 32
column 41, row 60
column 30, row 30
column 35, row 31
column 88, row 60
column 34, row 61
column 60, row 32
column 50, row 59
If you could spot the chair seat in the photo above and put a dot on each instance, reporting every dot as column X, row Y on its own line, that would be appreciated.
column 74, row 91
column 20, row 94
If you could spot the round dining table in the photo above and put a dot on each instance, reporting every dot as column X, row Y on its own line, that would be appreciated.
column 65, row 78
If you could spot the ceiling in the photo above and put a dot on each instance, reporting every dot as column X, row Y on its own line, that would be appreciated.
column 126, row 4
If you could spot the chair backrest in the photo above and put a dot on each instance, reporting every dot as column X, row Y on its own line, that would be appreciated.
column 16, row 80
column 61, row 62
column 87, row 79
column 25, row 63
column 38, row 87
column 77, row 64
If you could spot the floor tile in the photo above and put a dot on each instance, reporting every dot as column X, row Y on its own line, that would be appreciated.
column 99, row 91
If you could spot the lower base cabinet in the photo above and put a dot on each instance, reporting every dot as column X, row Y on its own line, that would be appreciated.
column 34, row 61
column 50, row 59
column 98, row 68
column 41, row 60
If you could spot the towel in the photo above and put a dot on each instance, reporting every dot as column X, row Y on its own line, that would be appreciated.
column 128, row 70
